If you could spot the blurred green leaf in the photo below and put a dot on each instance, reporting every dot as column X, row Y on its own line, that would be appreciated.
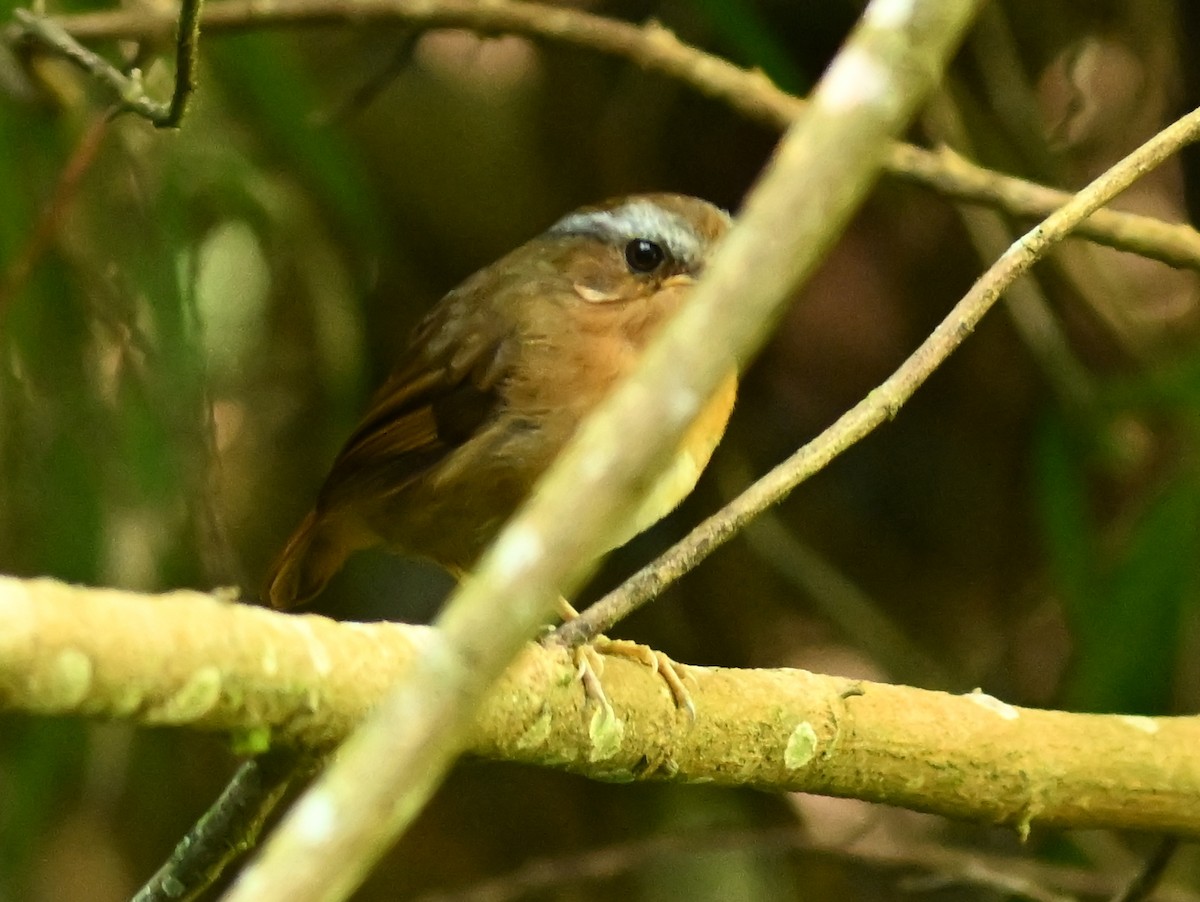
column 1125, row 594
column 43, row 758
column 49, row 495
column 1062, row 494
column 743, row 27
column 265, row 76
column 1129, row 635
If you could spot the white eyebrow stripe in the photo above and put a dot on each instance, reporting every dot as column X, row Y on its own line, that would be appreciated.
column 636, row 219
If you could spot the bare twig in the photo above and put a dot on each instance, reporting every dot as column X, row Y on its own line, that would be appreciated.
column 230, row 827
column 128, row 89
column 955, row 177
column 1021, row 878
column 655, row 48
column 549, row 873
column 45, row 230
column 187, row 47
column 1151, row 874
column 369, row 91
column 884, row 402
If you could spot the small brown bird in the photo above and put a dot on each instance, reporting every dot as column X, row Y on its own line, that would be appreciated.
column 497, row 378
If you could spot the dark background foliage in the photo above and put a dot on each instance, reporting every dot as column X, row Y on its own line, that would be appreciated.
column 190, row 323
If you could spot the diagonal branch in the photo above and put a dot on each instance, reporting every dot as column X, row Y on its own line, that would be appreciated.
column 230, row 828
column 885, row 401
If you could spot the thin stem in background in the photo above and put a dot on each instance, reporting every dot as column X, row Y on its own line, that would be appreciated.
column 45, row 230
column 655, row 48
column 940, row 865
column 231, row 825
column 128, row 90
column 1150, row 876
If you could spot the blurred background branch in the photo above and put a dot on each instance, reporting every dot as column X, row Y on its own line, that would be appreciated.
column 657, row 49
column 127, row 91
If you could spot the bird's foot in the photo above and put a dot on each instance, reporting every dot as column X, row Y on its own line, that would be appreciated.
column 589, row 664
column 672, row 672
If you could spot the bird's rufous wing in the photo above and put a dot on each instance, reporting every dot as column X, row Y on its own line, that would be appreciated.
column 440, row 395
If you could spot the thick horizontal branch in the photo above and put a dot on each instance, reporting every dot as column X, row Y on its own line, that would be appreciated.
column 657, row 49
column 195, row 660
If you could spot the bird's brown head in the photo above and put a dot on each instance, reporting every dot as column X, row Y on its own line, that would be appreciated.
column 625, row 264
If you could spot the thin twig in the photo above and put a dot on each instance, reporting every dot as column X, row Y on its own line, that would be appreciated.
column 369, row 91
column 1151, row 874
column 547, row 874
column 187, row 48
column 230, row 827
column 41, row 237
column 128, row 89
column 884, row 402
column 1019, row 877
column 655, row 48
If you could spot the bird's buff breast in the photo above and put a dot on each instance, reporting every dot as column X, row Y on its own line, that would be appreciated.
column 688, row 462
column 440, row 518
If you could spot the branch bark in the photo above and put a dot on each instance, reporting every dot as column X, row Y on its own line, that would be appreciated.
column 198, row 661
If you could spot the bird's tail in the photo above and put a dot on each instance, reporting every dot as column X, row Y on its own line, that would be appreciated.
column 313, row 554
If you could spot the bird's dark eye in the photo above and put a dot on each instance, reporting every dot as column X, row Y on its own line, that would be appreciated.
column 643, row 255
